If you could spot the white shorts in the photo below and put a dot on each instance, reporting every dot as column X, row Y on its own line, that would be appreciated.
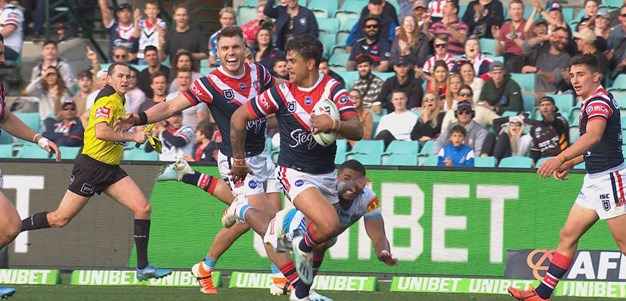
column 272, row 185
column 253, row 184
column 294, row 182
column 604, row 194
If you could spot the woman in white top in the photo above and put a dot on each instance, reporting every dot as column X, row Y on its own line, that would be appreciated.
column 511, row 140
column 51, row 91
column 466, row 69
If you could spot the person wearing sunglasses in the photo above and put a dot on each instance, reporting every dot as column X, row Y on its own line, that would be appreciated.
column 51, row 90
column 476, row 134
column 67, row 130
column 441, row 54
column 512, row 141
column 372, row 45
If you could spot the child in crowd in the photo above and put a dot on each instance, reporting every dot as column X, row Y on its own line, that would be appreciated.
column 456, row 153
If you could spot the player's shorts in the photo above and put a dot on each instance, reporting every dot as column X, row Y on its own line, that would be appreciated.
column 253, row 184
column 91, row 176
column 604, row 194
column 294, row 182
column 272, row 185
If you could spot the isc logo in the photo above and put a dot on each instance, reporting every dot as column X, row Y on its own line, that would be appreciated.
column 604, row 196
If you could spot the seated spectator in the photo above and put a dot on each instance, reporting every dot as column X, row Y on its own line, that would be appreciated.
column 367, row 121
column 178, row 140
column 466, row 69
column 509, row 38
column 438, row 83
column 66, row 130
column 280, row 68
column 325, row 69
column 51, row 91
column 402, row 81
column 204, row 149
column 410, row 42
column 456, row 154
column 149, row 30
column 501, row 93
column 590, row 8
column 481, row 115
column 428, row 125
column 372, row 45
column 601, row 27
column 85, row 87
column 386, row 25
column 585, row 43
column 120, row 30
column 263, row 51
column 388, row 11
column 159, row 91
column 11, row 29
column 193, row 114
column 151, row 57
column 511, row 141
column 475, row 56
column 251, row 28
column 398, row 124
column 134, row 97
column 477, row 136
column 368, row 84
column 455, row 83
column 441, row 54
column 481, row 15
column 50, row 58
column 291, row 20
column 451, row 26
column 617, row 45
column 227, row 18
column 550, row 136
column 419, row 11
column 183, row 37
column 183, row 59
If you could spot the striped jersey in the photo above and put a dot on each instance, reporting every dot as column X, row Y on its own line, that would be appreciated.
column 224, row 93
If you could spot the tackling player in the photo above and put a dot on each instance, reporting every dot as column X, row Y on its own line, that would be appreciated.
column 97, row 170
column 306, row 169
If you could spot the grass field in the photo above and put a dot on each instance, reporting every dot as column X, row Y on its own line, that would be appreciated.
column 64, row 292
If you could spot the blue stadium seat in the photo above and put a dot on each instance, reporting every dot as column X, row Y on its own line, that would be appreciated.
column 401, row 160
column 619, row 84
column 348, row 76
column 540, row 161
column 30, row 119
column 526, row 81
column 573, row 116
column 6, row 150
column 328, row 25
column 488, row 46
column 5, row 138
column 612, row 4
column 338, row 60
column 328, row 7
column 139, row 154
column 529, row 102
column 516, row 162
column 427, row 148
column 573, row 133
column 69, row 152
column 580, row 166
column 342, row 145
column 32, row 151
column 339, row 158
column 328, row 41
column 367, row 159
column 139, row 68
column 400, row 147
column 246, row 14
column 371, row 147
column 565, row 103
column 344, row 29
column 431, row 160
column 206, row 70
column 350, row 9
column 484, row 162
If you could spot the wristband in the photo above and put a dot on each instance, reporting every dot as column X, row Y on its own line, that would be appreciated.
column 334, row 124
column 143, row 119
column 239, row 162
column 338, row 126
column 43, row 142
column 35, row 138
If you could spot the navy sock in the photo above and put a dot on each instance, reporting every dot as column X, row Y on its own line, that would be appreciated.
column 142, row 233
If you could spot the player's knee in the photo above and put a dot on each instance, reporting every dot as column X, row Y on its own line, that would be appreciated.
column 567, row 238
column 144, row 210
column 328, row 230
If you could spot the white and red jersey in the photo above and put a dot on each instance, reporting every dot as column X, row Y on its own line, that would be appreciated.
column 606, row 155
column 12, row 15
column 149, row 34
column 293, row 106
column 224, row 93
column 173, row 153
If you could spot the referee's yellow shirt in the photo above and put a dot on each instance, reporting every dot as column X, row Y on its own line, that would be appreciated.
column 106, row 108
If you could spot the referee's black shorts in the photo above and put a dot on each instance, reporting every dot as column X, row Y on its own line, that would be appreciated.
column 91, row 176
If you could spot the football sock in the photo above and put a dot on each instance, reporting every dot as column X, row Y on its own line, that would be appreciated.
column 289, row 271
column 276, row 273
column 310, row 240
column 241, row 210
column 557, row 269
column 209, row 263
column 204, row 182
column 36, row 221
column 317, row 262
column 142, row 233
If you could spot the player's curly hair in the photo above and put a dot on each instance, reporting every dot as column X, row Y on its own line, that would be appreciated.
column 306, row 46
column 353, row 165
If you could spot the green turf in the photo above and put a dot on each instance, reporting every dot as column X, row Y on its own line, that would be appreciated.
column 64, row 292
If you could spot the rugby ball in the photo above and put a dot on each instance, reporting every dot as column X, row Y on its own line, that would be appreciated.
column 326, row 107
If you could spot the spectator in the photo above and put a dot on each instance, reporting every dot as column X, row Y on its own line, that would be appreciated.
column 50, row 58
column 154, row 66
column 120, row 30
column 500, row 93
column 11, row 29
column 481, row 15
column 158, row 84
column 451, row 26
column 539, row 29
column 280, row 68
column 465, row 94
column 386, row 25
column 365, row 116
column 456, row 154
column 601, row 26
column 512, row 141
column 403, row 81
column 291, row 20
column 475, row 56
column 372, row 45
column 134, row 97
column 193, row 114
column 398, row 124
column 99, row 83
column 617, row 45
column 430, row 120
column 148, row 30
column 555, row 20
column 590, row 8
column 251, row 28
column 204, row 148
column 419, row 9
column 585, row 43
column 66, row 130
column 476, row 134
column 368, row 84
column 85, row 87
column 178, row 139
column 466, row 69
column 183, row 37
column 438, row 83
column 510, row 37
column 410, row 42
column 441, row 54
column 435, row 10
column 184, row 59
column 547, row 60
column 388, row 10
column 323, row 68
column 453, row 89
column 406, row 8
column 550, row 136
column 263, row 51
column 227, row 18
column 51, row 91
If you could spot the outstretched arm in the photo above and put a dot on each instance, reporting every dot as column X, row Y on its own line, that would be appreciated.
column 375, row 228
column 17, row 128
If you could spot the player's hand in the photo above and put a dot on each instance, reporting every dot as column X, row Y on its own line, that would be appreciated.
column 50, row 147
column 321, row 123
column 562, row 173
column 548, row 167
column 123, row 123
column 239, row 170
column 140, row 136
column 387, row 258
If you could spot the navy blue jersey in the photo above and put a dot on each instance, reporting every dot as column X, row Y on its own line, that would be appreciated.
column 293, row 106
column 224, row 94
column 122, row 36
column 607, row 154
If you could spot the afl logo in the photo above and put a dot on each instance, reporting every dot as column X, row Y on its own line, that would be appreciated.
column 291, row 107
column 229, row 94
column 299, row 183
column 308, row 100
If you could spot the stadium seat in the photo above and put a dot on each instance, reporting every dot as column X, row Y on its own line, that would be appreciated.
column 350, row 9
column 139, row 154
column 484, row 162
column 348, row 76
column 342, row 145
column 431, row 160
column 573, row 116
column 139, row 68
column 580, row 166
column 328, row 7
column 526, row 81
column 5, row 138
column 540, row 161
column 509, row 113
column 328, row 25
column 246, row 14
column 568, row 14
column 367, row 159
column 529, row 102
column 427, row 148
column 206, row 70
column 619, row 84
column 30, row 119
column 400, row 160
column 339, row 158
column 6, row 150
column 345, row 26
column 612, row 4
column 400, row 147
column 370, row 147
column 32, row 151
column 565, row 103
column 488, row 46
column 516, row 162
column 621, row 101
column 462, row 9
column 69, row 152
column 338, row 60
column 328, row 41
